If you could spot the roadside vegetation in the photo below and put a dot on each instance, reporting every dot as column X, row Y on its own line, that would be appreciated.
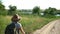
column 30, row 23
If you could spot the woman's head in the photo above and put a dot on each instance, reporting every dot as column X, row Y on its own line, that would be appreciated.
column 15, row 18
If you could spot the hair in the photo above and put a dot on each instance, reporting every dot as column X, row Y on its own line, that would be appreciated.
column 15, row 17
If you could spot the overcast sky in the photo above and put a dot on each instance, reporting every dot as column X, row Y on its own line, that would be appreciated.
column 29, row 4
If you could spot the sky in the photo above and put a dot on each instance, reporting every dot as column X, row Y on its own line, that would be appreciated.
column 29, row 4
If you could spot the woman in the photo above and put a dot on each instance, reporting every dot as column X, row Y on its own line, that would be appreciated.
column 18, row 25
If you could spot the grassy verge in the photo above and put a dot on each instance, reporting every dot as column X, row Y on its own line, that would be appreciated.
column 30, row 23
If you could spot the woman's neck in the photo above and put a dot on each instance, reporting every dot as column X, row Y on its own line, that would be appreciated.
column 14, row 21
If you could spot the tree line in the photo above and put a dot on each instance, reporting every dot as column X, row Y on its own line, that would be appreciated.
column 36, row 10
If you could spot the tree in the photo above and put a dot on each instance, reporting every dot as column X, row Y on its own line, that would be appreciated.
column 50, row 11
column 36, row 10
column 2, row 9
column 12, row 10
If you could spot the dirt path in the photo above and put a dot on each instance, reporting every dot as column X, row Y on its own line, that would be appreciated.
column 51, row 28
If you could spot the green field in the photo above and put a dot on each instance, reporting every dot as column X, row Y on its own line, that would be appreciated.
column 30, row 23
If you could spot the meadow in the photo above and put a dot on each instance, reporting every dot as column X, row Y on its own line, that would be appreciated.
column 30, row 23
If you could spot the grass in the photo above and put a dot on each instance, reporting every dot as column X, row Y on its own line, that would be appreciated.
column 30, row 23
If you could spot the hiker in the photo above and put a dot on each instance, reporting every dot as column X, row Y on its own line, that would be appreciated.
column 15, row 27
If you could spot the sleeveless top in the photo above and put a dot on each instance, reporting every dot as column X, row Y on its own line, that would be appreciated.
column 17, row 26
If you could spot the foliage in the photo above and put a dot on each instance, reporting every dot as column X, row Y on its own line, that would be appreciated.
column 50, row 11
column 58, row 12
column 2, row 9
column 36, row 10
column 12, row 10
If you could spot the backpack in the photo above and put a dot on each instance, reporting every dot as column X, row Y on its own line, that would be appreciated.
column 10, row 29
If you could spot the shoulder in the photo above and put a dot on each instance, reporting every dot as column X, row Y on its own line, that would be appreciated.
column 18, row 25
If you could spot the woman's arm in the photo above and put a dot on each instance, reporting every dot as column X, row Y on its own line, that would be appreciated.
column 21, row 29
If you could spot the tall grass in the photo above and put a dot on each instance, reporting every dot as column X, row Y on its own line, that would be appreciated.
column 30, row 23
